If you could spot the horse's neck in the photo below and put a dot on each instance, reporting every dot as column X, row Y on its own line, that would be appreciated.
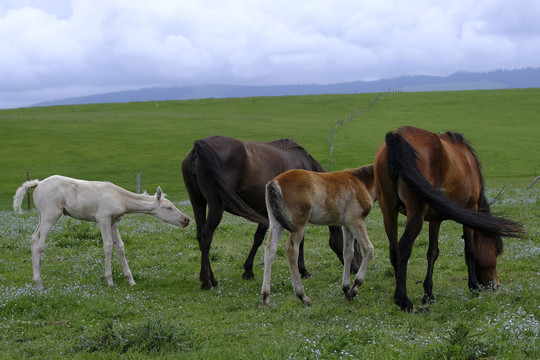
column 137, row 203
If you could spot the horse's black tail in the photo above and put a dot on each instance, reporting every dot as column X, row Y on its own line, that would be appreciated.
column 210, row 161
column 274, row 199
column 401, row 163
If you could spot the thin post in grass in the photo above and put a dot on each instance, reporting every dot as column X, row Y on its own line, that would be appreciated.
column 531, row 184
column 28, row 191
column 138, row 183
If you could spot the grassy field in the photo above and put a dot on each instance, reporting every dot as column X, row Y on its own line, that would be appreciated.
column 166, row 315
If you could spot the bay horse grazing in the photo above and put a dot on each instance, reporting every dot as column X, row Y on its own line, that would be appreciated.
column 430, row 177
column 100, row 202
column 227, row 174
column 298, row 197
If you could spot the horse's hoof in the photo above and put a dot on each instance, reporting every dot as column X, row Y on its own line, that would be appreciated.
column 305, row 300
column 206, row 286
column 248, row 275
column 350, row 295
column 404, row 304
column 406, row 307
column 305, row 274
column 428, row 299
column 265, row 299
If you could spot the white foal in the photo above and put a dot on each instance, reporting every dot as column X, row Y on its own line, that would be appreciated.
column 100, row 202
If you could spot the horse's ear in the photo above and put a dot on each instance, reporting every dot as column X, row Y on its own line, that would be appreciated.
column 159, row 193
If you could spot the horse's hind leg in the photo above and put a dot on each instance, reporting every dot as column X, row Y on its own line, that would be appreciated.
column 106, row 234
column 215, row 214
column 432, row 255
column 269, row 255
column 46, row 222
column 361, row 235
column 291, row 248
column 258, row 239
column 119, row 246
column 415, row 220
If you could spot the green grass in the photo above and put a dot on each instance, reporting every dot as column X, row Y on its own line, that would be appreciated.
column 114, row 142
column 166, row 315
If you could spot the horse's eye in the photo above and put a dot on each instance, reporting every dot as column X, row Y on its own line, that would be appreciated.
column 169, row 208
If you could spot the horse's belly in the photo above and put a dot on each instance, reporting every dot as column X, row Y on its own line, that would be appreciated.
column 79, row 214
column 318, row 217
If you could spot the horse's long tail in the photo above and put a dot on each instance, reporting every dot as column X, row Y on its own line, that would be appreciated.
column 401, row 163
column 210, row 161
column 19, row 194
column 274, row 199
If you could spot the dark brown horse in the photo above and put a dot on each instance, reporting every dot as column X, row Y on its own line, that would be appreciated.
column 434, row 178
column 226, row 174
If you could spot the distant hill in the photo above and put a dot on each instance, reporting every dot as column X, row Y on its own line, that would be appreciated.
column 499, row 79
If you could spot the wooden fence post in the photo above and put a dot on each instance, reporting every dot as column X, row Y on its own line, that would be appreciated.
column 28, row 191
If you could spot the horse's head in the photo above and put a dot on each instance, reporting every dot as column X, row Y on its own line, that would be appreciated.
column 166, row 211
column 487, row 248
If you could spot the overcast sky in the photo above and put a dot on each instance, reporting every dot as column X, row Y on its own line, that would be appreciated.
column 52, row 49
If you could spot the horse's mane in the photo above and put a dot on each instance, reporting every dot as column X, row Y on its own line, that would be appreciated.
column 366, row 174
column 483, row 203
column 289, row 144
column 459, row 138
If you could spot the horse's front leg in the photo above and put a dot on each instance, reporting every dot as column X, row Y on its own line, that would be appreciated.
column 119, row 246
column 361, row 235
column 106, row 234
column 258, row 239
column 291, row 248
column 432, row 255
column 269, row 255
column 470, row 254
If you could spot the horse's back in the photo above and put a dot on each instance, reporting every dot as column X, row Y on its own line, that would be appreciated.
column 78, row 198
column 244, row 166
column 446, row 161
column 462, row 178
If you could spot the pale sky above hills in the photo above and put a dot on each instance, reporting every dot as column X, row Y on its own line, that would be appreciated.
column 60, row 48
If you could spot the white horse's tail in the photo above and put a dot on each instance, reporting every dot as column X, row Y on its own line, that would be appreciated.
column 19, row 194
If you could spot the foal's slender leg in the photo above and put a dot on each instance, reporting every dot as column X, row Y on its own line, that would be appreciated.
column 258, row 239
column 470, row 254
column 348, row 253
column 269, row 255
column 291, row 248
column 119, row 246
column 106, row 234
column 46, row 223
column 360, row 233
column 432, row 255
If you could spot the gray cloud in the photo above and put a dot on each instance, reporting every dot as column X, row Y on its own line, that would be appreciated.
column 80, row 47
